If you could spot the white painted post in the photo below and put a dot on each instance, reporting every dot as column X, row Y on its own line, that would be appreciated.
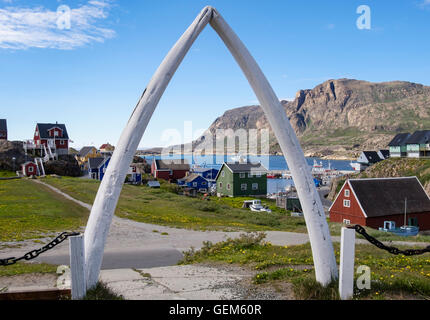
column 347, row 256
column 77, row 266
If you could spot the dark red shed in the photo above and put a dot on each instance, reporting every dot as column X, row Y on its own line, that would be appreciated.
column 370, row 202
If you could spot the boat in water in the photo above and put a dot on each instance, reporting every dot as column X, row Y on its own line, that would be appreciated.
column 239, row 158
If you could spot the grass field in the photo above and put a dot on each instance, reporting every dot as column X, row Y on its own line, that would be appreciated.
column 29, row 210
column 392, row 277
column 162, row 207
column 7, row 174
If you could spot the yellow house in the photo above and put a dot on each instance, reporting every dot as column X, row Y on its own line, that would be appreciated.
column 84, row 154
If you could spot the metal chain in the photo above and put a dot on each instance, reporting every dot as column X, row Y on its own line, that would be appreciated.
column 410, row 252
column 34, row 253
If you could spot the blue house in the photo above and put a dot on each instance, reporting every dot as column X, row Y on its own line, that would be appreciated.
column 208, row 173
column 97, row 167
column 194, row 181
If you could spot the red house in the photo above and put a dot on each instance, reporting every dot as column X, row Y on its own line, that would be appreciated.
column 370, row 202
column 29, row 169
column 170, row 169
column 53, row 135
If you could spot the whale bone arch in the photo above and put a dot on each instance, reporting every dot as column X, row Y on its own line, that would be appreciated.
column 110, row 188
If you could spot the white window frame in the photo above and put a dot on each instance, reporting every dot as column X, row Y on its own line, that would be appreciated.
column 258, row 175
column 242, row 175
column 228, row 186
column 255, row 186
column 220, row 184
column 346, row 221
column 223, row 174
column 347, row 203
column 244, row 186
column 61, row 142
column 249, row 174
column 346, row 193
column 194, row 184
column 30, row 169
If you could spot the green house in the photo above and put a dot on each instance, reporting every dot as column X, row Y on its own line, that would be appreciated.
column 241, row 180
column 418, row 144
column 398, row 145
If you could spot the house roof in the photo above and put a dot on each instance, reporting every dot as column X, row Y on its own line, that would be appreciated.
column 95, row 163
column 385, row 153
column 386, row 196
column 44, row 127
column 399, row 139
column 245, row 167
column 372, row 156
column 419, row 137
column 201, row 170
column 85, row 150
column 175, row 164
column 237, row 167
column 107, row 146
column 3, row 125
column 192, row 177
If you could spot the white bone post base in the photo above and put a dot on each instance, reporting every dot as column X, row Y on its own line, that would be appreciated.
column 347, row 255
column 110, row 188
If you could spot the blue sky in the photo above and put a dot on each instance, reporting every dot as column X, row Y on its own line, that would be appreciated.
column 91, row 75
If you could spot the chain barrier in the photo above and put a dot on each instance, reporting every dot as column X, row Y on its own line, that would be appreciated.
column 34, row 253
column 410, row 252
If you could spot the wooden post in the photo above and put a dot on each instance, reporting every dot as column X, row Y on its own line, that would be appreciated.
column 347, row 256
column 77, row 267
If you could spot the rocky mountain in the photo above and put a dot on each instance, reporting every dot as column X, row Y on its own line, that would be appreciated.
column 339, row 118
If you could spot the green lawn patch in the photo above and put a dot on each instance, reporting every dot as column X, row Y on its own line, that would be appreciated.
column 164, row 207
column 26, row 268
column 29, row 210
column 7, row 174
column 391, row 276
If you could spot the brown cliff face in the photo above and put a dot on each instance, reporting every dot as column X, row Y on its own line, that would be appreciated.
column 342, row 117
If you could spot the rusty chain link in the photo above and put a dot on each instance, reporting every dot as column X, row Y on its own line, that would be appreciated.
column 34, row 253
column 410, row 252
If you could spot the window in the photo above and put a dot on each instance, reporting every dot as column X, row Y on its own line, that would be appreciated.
column 255, row 186
column 30, row 169
column 194, row 184
column 55, row 133
column 243, row 186
column 346, row 192
column 250, row 175
column 62, row 142
column 345, row 221
column 346, row 203
column 220, row 184
column 413, row 222
column 203, row 183
column 242, row 175
column 258, row 174
column 228, row 186
column 223, row 174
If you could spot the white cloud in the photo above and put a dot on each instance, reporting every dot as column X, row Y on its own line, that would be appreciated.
column 424, row 4
column 22, row 28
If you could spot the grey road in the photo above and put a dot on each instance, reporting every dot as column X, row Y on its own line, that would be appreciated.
column 142, row 258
